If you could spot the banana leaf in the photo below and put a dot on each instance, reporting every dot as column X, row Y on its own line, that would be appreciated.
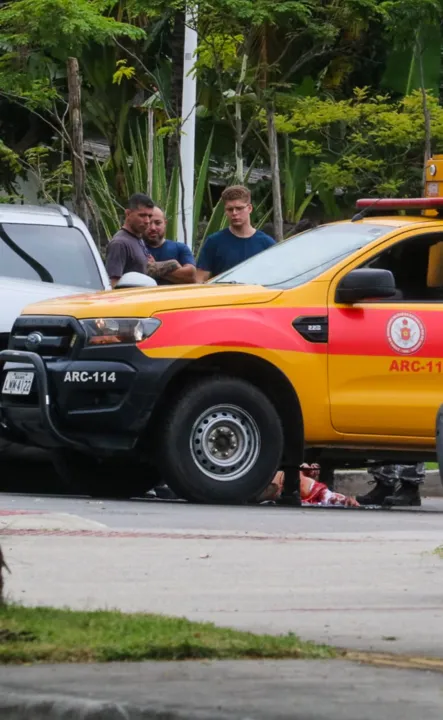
column 402, row 73
column 201, row 184
column 171, row 207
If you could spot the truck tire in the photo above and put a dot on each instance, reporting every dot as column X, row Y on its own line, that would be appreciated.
column 222, row 442
column 87, row 475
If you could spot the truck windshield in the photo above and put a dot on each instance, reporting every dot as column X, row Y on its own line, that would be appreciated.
column 48, row 253
column 304, row 256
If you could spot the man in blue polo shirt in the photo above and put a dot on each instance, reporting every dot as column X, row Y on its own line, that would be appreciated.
column 168, row 262
column 227, row 248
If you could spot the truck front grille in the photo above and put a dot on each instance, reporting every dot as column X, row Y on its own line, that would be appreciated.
column 50, row 337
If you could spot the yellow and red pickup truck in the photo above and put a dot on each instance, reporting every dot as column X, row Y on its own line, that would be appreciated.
column 329, row 343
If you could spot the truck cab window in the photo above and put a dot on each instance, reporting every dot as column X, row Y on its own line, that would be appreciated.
column 417, row 266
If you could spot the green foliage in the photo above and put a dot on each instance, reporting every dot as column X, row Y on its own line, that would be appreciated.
column 259, row 12
column 9, row 160
column 123, row 72
column 414, row 28
column 102, row 182
column 407, row 61
column 61, row 26
column 53, row 178
column 10, row 167
column 366, row 144
column 51, row 30
column 202, row 184
column 303, row 55
column 219, row 50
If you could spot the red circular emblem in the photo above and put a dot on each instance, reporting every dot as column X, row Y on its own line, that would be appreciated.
column 406, row 333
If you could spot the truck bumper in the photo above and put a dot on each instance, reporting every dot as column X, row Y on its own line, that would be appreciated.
column 95, row 404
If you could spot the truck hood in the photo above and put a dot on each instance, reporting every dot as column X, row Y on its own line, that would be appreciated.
column 16, row 293
column 146, row 302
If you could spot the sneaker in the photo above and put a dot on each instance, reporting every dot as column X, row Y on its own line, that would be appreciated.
column 406, row 495
column 377, row 495
column 163, row 492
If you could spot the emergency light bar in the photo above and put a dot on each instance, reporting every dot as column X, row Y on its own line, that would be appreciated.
column 427, row 203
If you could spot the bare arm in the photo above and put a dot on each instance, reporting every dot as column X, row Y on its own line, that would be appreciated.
column 160, row 270
column 203, row 276
column 186, row 275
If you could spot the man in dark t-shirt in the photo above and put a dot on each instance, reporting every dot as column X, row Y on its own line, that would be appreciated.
column 169, row 262
column 232, row 246
column 127, row 251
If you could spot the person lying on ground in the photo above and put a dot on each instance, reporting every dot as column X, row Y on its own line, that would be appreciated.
column 312, row 492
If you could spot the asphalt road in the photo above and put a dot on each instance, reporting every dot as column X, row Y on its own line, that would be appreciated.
column 249, row 690
column 139, row 514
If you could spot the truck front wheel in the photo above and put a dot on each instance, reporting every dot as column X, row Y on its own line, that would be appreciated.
column 222, row 442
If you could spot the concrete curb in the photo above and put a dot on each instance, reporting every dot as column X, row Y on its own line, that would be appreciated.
column 355, row 482
column 41, row 521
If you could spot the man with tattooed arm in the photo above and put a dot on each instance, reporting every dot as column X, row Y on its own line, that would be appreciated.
column 168, row 262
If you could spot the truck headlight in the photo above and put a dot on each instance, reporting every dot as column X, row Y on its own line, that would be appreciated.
column 112, row 331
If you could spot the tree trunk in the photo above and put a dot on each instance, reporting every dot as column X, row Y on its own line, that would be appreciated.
column 77, row 149
column 275, row 172
column 150, row 159
column 239, row 121
column 177, row 57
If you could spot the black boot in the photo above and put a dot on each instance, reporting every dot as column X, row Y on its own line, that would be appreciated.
column 406, row 494
column 377, row 495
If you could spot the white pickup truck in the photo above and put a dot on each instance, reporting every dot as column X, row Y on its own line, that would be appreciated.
column 45, row 252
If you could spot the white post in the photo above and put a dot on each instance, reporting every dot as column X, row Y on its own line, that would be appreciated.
column 187, row 140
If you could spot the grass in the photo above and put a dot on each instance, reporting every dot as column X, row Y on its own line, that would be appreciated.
column 439, row 552
column 35, row 635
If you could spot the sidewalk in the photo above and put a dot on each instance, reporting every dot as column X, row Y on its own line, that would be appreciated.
column 378, row 590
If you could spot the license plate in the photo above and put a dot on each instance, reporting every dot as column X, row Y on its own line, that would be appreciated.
column 433, row 189
column 18, row 383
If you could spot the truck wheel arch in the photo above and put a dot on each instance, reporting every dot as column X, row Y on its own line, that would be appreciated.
column 262, row 373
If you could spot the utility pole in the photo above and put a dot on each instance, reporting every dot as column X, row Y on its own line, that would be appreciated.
column 187, row 139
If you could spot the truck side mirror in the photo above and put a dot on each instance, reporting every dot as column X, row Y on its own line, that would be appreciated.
column 135, row 280
column 365, row 284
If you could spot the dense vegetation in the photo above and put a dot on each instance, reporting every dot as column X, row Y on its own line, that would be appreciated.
column 318, row 101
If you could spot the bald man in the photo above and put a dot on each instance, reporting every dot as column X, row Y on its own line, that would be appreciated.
column 169, row 262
